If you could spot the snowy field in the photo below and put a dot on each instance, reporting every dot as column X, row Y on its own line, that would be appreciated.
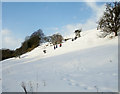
column 88, row 64
column 0, row 77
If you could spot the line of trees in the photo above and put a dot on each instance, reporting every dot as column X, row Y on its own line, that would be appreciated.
column 30, row 43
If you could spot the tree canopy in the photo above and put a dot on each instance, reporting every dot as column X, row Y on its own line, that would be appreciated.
column 110, row 21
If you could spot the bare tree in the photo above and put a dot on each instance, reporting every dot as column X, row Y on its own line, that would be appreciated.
column 56, row 38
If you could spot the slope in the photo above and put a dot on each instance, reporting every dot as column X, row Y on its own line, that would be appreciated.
column 88, row 64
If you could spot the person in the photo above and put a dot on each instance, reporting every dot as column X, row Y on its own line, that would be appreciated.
column 54, row 47
column 19, row 56
column 44, row 51
column 60, row 44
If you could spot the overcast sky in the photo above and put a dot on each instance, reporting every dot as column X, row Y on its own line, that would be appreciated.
column 21, row 19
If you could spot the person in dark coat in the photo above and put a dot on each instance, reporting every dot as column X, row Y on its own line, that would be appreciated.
column 54, row 47
column 44, row 51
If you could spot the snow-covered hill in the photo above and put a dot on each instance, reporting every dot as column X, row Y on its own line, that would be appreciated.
column 88, row 64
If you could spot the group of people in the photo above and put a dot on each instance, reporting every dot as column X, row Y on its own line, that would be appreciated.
column 56, row 46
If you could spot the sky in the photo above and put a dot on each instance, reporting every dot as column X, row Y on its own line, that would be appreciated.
column 21, row 19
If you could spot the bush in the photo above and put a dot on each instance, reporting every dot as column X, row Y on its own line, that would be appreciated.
column 7, row 53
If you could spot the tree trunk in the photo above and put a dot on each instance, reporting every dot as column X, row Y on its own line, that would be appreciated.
column 116, row 34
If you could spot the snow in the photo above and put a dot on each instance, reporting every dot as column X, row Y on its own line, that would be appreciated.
column 0, row 77
column 88, row 64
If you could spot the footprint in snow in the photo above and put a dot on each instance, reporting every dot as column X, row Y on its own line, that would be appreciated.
column 73, row 84
column 100, row 73
column 65, row 79
column 72, row 80
column 114, row 74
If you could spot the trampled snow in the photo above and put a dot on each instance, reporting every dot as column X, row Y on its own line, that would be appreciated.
column 88, row 64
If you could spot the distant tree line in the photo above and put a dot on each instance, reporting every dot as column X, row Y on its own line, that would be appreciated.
column 31, row 42
column 6, row 53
